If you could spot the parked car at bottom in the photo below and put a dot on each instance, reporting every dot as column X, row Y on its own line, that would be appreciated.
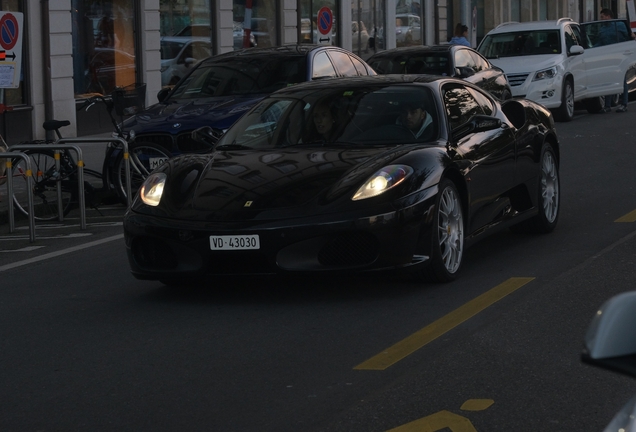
column 449, row 60
column 558, row 63
column 332, row 176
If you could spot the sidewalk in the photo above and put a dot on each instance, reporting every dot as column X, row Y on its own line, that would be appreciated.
column 93, row 156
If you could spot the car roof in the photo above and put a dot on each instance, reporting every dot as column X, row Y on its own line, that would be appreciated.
column 531, row 25
column 419, row 49
column 363, row 81
column 285, row 50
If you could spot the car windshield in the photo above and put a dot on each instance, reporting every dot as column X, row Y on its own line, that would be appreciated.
column 522, row 43
column 356, row 117
column 434, row 63
column 242, row 76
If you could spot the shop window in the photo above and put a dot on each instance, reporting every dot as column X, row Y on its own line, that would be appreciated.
column 103, row 46
column 189, row 18
column 186, row 37
column 259, row 29
column 308, row 31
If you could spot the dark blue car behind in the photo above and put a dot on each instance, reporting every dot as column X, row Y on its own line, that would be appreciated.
column 220, row 89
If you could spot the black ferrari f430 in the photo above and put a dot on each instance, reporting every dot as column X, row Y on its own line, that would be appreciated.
column 350, row 175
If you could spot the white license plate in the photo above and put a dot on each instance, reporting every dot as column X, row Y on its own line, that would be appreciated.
column 234, row 242
column 156, row 162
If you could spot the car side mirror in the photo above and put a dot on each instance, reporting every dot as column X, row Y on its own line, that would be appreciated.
column 163, row 94
column 464, row 72
column 576, row 50
column 207, row 135
column 478, row 123
column 610, row 342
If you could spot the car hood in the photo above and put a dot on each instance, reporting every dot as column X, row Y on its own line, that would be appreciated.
column 177, row 116
column 526, row 64
column 280, row 183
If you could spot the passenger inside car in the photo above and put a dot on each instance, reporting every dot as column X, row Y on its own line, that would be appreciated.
column 323, row 125
column 415, row 117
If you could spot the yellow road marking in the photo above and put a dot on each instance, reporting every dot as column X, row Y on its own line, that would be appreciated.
column 431, row 332
column 629, row 217
column 436, row 422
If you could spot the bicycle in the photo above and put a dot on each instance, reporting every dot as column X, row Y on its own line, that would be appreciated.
column 143, row 158
column 46, row 174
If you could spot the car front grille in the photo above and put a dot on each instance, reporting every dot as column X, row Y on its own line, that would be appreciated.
column 181, row 143
column 350, row 249
column 163, row 140
column 517, row 79
column 153, row 254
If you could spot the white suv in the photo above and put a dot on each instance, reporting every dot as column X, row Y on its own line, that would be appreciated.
column 557, row 63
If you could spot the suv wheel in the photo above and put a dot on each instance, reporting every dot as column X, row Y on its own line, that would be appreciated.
column 565, row 112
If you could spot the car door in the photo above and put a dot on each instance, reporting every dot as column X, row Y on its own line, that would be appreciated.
column 488, row 158
column 575, row 64
column 611, row 52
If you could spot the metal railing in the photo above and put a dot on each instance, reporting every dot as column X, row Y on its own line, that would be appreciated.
column 80, row 175
column 29, row 177
column 57, row 146
column 124, row 145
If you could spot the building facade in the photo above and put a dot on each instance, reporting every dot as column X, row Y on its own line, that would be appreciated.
column 76, row 48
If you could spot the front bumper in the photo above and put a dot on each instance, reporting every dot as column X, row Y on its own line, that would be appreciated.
column 160, row 248
column 547, row 92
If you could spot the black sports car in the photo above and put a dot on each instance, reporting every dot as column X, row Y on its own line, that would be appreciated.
column 449, row 60
column 355, row 174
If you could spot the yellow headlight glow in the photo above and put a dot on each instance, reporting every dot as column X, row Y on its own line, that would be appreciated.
column 383, row 180
column 152, row 189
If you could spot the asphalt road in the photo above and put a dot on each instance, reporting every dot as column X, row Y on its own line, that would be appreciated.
column 84, row 346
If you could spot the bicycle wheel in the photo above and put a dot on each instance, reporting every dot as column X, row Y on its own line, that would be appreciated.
column 45, row 199
column 144, row 158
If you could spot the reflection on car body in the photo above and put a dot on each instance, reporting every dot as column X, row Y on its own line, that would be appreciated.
column 448, row 60
column 286, row 191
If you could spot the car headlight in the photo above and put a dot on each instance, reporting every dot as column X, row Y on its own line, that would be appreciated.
column 163, row 68
column 383, row 180
column 545, row 74
column 152, row 189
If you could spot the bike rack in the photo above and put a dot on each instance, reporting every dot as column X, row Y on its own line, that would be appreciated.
column 80, row 175
column 29, row 174
column 124, row 145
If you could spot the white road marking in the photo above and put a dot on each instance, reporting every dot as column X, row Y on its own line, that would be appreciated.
column 24, row 249
column 37, row 237
column 59, row 253
column 57, row 226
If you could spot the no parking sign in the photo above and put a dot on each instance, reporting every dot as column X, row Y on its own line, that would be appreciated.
column 10, row 49
column 325, row 23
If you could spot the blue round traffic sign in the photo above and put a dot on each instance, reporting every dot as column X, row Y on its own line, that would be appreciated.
column 325, row 20
column 9, row 31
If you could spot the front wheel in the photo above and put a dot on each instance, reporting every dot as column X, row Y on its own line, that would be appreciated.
column 447, row 248
column 144, row 157
column 565, row 112
column 548, row 193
